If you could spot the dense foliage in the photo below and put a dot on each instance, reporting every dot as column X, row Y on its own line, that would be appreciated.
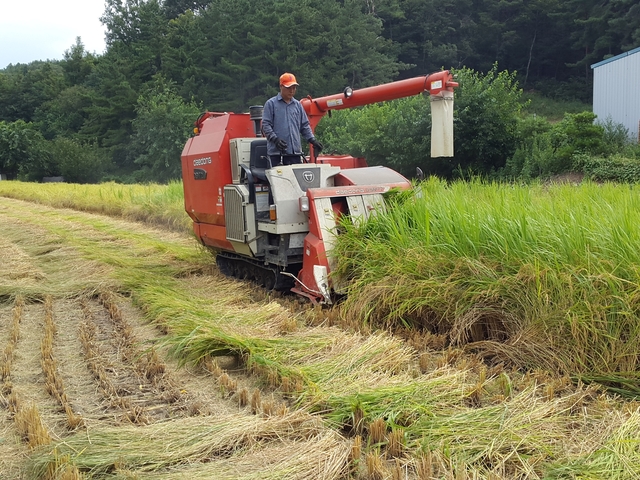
column 397, row 134
column 165, row 59
column 493, row 137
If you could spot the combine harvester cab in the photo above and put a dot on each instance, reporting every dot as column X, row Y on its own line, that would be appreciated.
column 276, row 224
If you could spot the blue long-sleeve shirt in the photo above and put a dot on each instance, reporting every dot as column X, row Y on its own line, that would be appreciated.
column 286, row 121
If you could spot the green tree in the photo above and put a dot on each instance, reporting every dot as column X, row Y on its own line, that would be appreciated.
column 161, row 128
column 66, row 114
column 590, row 33
column 242, row 47
column 538, row 45
column 175, row 8
column 112, row 105
column 486, row 126
column 132, row 58
column 626, row 21
column 577, row 133
column 429, row 34
column 77, row 162
column 77, row 64
column 22, row 152
column 23, row 88
column 187, row 58
column 397, row 134
column 534, row 156
column 136, row 34
column 394, row 134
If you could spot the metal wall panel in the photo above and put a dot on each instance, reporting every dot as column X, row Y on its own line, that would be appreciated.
column 616, row 91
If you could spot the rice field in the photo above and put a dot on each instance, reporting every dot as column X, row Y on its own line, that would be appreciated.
column 161, row 205
column 479, row 340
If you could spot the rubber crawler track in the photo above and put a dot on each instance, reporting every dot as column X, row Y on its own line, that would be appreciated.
column 268, row 276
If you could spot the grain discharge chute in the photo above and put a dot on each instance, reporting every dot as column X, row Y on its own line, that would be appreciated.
column 275, row 224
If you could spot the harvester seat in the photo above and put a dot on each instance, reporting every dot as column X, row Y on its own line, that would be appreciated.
column 259, row 161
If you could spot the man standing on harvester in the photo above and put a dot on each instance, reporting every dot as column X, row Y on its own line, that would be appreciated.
column 283, row 121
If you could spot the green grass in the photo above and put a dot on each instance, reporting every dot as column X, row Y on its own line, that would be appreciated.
column 552, row 109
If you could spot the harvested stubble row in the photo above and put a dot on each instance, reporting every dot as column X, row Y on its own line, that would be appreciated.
column 352, row 380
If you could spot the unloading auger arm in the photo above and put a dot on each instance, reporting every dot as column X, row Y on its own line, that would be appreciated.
column 434, row 83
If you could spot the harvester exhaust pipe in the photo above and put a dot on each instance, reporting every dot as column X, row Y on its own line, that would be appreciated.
column 255, row 114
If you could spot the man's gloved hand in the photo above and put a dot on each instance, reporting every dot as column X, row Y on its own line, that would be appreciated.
column 281, row 145
column 316, row 145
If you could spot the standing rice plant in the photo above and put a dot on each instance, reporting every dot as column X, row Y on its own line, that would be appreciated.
column 152, row 203
column 554, row 267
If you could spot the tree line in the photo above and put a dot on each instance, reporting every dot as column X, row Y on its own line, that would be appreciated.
column 125, row 114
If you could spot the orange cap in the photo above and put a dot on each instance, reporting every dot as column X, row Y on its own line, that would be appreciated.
column 288, row 79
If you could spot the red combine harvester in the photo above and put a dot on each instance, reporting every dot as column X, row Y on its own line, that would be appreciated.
column 276, row 224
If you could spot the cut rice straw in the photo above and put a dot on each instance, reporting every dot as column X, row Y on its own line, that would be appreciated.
column 181, row 442
column 322, row 458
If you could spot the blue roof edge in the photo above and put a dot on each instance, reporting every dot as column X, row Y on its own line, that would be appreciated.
column 617, row 57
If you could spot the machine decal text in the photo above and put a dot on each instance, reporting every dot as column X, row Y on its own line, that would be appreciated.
column 201, row 161
column 359, row 191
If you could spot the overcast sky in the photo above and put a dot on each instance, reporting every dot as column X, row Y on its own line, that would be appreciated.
column 44, row 29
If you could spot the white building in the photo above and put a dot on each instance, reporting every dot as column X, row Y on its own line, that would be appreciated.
column 616, row 90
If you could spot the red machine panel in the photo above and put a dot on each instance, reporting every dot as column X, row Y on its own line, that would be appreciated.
column 205, row 165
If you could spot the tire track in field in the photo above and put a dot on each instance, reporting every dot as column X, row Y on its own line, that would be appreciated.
column 27, row 377
column 134, row 380
column 79, row 384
